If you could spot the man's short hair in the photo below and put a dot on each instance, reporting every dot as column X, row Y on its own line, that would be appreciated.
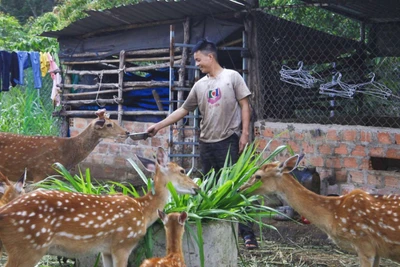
column 206, row 46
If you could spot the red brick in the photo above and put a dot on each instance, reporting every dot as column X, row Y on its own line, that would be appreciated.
column 341, row 150
column 317, row 161
column 349, row 135
column 356, row 177
column 256, row 131
column 341, row 176
column 365, row 137
column 114, row 148
column 397, row 139
column 325, row 149
column 260, row 143
column 274, row 144
column 299, row 136
column 102, row 148
column 350, row 163
column 156, row 142
column 365, row 164
column 294, row 146
column 393, row 153
column 391, row 181
column 268, row 132
column 308, row 148
column 376, row 152
column 374, row 180
column 331, row 135
column 333, row 163
column 74, row 133
column 384, row 138
column 283, row 135
column 359, row 151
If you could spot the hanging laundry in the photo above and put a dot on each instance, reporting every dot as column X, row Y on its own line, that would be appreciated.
column 23, row 63
column 5, row 66
column 44, row 63
column 55, row 75
column 14, row 69
column 35, row 63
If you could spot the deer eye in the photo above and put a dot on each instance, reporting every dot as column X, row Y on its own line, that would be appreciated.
column 258, row 177
column 109, row 125
column 182, row 171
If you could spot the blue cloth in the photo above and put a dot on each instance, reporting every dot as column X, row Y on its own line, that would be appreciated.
column 5, row 66
column 35, row 63
column 23, row 63
column 14, row 69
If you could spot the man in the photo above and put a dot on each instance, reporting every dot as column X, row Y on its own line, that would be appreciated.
column 222, row 99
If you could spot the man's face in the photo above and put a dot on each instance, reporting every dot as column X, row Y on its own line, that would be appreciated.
column 203, row 61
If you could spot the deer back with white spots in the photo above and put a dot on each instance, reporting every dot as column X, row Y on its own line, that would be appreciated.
column 75, row 224
column 174, row 224
column 358, row 222
column 39, row 153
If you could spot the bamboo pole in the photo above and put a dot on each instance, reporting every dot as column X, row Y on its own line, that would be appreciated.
column 90, row 113
column 146, row 59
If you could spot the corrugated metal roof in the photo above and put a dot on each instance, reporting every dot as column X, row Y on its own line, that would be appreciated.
column 147, row 12
column 372, row 11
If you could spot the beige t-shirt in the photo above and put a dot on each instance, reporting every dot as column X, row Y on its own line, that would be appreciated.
column 217, row 99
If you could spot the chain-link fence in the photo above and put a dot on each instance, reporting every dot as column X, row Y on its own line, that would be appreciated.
column 310, row 76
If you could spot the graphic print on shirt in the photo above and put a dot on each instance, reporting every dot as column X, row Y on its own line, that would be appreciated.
column 214, row 95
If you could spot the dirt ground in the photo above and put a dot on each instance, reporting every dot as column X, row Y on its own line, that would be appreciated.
column 296, row 244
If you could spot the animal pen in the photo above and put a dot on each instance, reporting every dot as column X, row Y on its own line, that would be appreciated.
column 135, row 61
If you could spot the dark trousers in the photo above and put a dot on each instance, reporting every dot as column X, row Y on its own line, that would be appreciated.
column 213, row 155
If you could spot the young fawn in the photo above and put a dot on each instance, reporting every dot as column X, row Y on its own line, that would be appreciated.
column 75, row 224
column 39, row 153
column 11, row 191
column 357, row 222
column 174, row 224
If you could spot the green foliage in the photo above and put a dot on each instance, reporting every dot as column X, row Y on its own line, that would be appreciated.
column 314, row 17
column 18, row 106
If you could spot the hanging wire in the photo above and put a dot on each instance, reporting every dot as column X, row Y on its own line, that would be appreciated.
column 299, row 77
column 337, row 88
column 98, row 90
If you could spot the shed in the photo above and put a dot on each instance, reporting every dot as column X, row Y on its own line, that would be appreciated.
column 135, row 61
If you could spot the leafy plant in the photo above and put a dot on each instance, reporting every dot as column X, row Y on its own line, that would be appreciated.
column 218, row 200
column 18, row 106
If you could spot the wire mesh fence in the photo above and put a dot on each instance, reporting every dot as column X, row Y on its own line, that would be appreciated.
column 310, row 76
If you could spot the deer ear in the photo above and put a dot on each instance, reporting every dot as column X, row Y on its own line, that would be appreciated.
column 291, row 163
column 19, row 185
column 148, row 164
column 183, row 217
column 162, row 157
column 2, row 187
column 99, row 123
column 162, row 216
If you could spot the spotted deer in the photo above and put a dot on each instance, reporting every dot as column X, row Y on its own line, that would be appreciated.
column 10, row 192
column 38, row 153
column 357, row 222
column 174, row 224
column 75, row 224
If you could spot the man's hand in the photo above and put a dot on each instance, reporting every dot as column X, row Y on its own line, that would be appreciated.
column 152, row 130
column 244, row 140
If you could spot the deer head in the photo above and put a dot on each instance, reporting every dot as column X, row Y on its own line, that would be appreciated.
column 105, row 127
column 11, row 191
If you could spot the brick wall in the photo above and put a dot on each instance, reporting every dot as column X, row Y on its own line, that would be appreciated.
column 342, row 154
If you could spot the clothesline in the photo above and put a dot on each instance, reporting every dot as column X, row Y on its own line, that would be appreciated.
column 13, row 64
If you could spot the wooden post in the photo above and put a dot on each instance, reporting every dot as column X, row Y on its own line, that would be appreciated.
column 121, row 71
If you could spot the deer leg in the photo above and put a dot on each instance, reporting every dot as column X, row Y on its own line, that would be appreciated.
column 120, row 257
column 24, row 258
column 376, row 261
column 366, row 261
column 107, row 260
